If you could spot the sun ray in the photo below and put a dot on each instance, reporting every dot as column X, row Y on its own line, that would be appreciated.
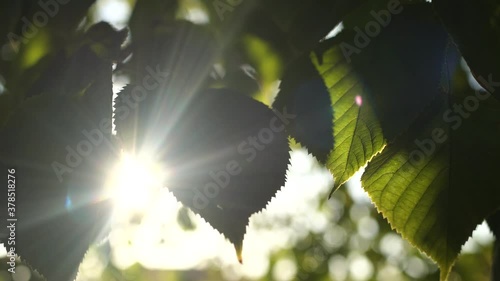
column 134, row 182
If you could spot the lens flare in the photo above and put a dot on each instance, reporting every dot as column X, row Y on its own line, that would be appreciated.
column 135, row 182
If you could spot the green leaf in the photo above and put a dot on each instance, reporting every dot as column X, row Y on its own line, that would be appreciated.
column 357, row 131
column 268, row 66
column 391, row 77
column 437, row 181
column 226, row 153
column 375, row 91
column 344, row 139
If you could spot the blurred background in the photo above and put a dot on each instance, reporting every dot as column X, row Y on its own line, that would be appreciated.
column 300, row 236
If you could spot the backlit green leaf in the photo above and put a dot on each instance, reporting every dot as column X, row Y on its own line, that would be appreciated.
column 368, row 104
column 357, row 132
column 438, row 181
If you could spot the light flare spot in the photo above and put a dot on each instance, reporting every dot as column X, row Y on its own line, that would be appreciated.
column 135, row 182
column 359, row 100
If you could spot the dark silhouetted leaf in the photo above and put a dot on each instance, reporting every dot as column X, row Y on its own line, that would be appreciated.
column 304, row 93
column 240, row 81
column 475, row 28
column 38, row 29
column 10, row 13
column 184, row 50
column 148, row 14
column 67, row 73
column 6, row 105
column 57, row 220
column 60, row 145
column 401, row 66
column 291, row 27
column 494, row 224
column 226, row 153
column 317, row 19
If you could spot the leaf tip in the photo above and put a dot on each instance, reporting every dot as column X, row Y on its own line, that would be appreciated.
column 239, row 250
column 331, row 194
column 334, row 188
